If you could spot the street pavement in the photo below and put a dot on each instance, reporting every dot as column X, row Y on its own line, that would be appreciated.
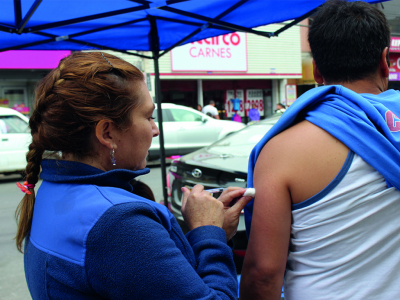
column 12, row 279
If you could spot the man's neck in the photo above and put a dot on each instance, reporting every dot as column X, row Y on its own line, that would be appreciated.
column 364, row 86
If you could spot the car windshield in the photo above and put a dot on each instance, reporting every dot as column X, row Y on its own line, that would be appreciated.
column 243, row 141
column 13, row 124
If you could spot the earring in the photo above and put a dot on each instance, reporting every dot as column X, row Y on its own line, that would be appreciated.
column 113, row 160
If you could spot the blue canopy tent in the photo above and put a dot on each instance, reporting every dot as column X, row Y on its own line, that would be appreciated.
column 142, row 25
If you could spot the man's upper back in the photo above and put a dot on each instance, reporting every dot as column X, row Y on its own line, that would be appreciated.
column 210, row 109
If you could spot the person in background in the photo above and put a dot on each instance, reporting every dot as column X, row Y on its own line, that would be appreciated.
column 254, row 114
column 85, row 235
column 280, row 108
column 199, row 108
column 211, row 110
column 236, row 117
column 325, row 220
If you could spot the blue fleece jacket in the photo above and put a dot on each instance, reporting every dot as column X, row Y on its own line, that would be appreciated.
column 367, row 124
column 91, row 238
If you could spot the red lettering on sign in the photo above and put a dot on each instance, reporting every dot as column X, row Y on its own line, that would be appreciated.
column 216, row 52
column 210, row 52
column 235, row 39
column 229, row 53
column 223, row 39
column 206, row 41
column 190, row 52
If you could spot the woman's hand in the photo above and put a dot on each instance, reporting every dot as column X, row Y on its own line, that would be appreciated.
column 234, row 202
column 199, row 208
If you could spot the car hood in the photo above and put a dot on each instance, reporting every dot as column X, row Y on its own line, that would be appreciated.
column 232, row 152
column 224, row 158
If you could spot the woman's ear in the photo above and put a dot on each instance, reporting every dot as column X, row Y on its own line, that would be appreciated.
column 105, row 133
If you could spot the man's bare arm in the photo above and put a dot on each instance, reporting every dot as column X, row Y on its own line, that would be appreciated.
column 265, row 261
column 292, row 167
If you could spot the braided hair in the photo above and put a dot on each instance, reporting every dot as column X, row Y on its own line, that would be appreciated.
column 85, row 88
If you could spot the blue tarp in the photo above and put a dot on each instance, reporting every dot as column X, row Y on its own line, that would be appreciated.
column 77, row 24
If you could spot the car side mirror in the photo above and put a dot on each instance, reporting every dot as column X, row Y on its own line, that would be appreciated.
column 204, row 120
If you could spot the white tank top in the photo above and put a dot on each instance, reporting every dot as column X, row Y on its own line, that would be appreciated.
column 345, row 241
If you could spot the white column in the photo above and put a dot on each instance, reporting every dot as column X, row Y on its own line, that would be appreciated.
column 200, row 92
column 275, row 94
column 282, row 91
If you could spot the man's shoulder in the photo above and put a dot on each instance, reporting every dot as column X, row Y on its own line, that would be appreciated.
column 309, row 158
column 301, row 136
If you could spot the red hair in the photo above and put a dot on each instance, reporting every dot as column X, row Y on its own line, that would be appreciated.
column 85, row 88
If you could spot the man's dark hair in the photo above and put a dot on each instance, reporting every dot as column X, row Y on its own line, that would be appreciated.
column 211, row 102
column 347, row 40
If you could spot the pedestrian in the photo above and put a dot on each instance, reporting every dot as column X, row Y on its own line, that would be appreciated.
column 325, row 220
column 85, row 235
column 280, row 108
column 199, row 108
column 254, row 114
column 236, row 117
column 211, row 110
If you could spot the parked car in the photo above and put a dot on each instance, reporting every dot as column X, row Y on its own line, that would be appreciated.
column 15, row 138
column 221, row 164
column 187, row 130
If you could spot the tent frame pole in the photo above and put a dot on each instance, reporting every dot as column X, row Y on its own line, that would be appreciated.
column 156, row 50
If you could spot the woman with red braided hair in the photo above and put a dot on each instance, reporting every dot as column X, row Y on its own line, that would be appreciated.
column 85, row 235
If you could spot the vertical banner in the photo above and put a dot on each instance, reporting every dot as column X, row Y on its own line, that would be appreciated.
column 229, row 94
column 291, row 94
column 254, row 97
column 240, row 95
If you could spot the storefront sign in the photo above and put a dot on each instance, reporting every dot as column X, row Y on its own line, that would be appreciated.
column 395, row 44
column 21, row 108
column 394, row 66
column 31, row 59
column 394, row 76
column 254, row 97
column 222, row 53
column 3, row 102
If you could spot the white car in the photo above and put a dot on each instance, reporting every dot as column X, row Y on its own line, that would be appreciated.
column 186, row 130
column 15, row 138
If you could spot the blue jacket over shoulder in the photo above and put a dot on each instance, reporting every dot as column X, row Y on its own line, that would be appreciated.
column 367, row 124
column 91, row 238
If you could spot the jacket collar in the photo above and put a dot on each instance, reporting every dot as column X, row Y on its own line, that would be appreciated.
column 63, row 171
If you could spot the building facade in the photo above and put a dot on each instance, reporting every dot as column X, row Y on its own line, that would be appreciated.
column 248, row 67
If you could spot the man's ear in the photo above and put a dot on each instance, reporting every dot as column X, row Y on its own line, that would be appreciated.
column 104, row 131
column 317, row 75
column 384, row 65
